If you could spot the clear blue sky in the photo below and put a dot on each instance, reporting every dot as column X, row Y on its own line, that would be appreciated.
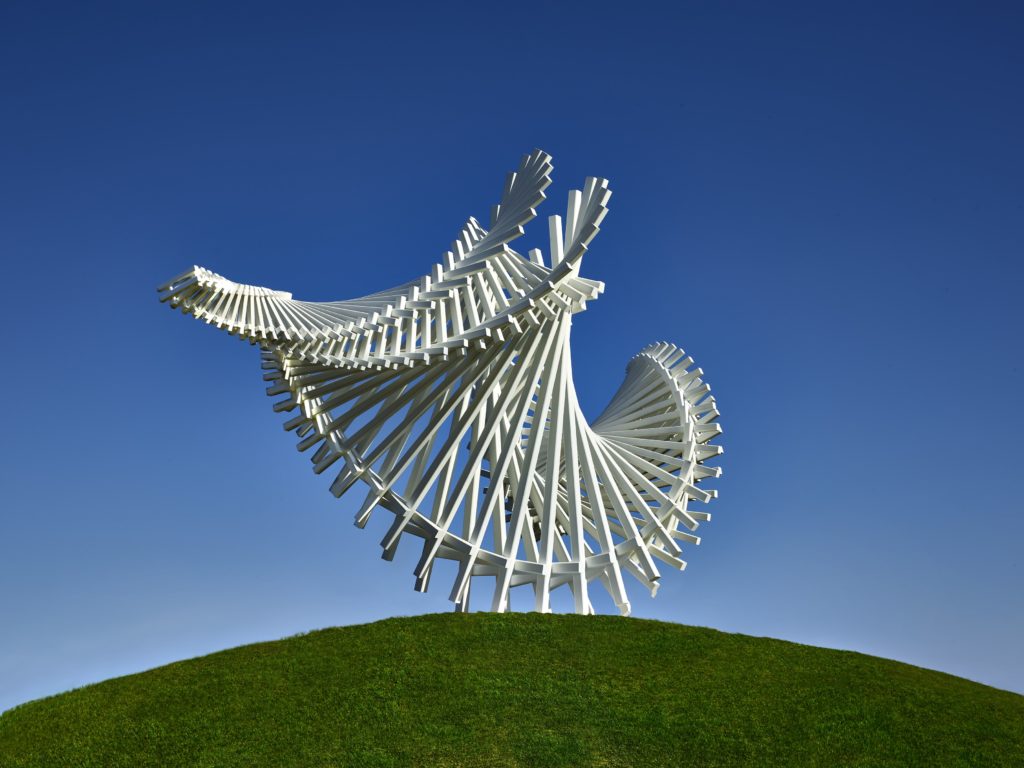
column 822, row 205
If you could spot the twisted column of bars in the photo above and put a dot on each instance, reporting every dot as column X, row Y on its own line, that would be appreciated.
column 451, row 399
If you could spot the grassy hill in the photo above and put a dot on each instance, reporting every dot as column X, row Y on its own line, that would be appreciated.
column 521, row 690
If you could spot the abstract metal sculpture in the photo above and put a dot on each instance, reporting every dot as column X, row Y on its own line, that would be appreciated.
column 451, row 398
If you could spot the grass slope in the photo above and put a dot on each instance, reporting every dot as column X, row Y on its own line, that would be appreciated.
column 521, row 690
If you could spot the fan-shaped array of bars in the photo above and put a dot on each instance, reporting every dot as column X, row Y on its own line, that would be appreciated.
column 451, row 400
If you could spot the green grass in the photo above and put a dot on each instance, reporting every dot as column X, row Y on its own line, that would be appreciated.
column 521, row 690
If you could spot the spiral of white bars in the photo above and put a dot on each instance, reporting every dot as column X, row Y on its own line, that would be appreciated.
column 450, row 399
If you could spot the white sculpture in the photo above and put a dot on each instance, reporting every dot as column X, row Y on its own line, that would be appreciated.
column 451, row 399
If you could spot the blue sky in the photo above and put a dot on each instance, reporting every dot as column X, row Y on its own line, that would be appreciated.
column 822, row 205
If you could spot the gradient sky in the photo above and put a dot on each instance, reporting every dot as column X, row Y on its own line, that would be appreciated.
column 822, row 205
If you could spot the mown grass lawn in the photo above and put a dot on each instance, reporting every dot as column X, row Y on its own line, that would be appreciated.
column 521, row 690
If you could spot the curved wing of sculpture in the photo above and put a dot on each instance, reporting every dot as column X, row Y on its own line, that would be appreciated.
column 451, row 399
